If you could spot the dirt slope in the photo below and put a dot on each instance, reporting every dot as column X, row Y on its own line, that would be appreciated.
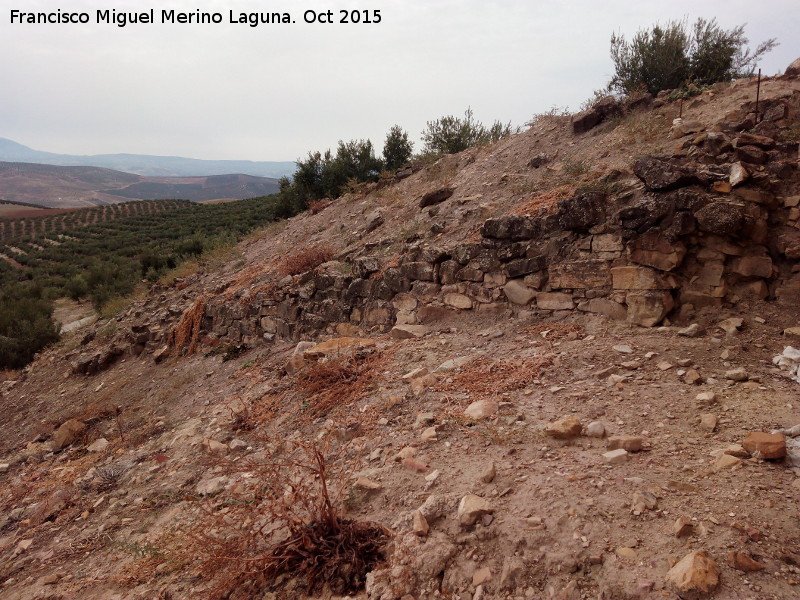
column 200, row 458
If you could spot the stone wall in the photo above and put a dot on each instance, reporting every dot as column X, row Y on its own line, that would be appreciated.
column 717, row 222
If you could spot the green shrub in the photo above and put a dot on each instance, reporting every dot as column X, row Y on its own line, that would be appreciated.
column 674, row 55
column 397, row 148
column 449, row 135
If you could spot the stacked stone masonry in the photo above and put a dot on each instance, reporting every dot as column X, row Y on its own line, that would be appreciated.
column 718, row 221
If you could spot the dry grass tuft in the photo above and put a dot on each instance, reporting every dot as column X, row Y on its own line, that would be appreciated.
column 284, row 529
column 187, row 332
column 306, row 259
column 546, row 200
column 338, row 382
column 485, row 378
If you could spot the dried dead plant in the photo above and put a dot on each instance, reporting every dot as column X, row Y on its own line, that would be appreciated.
column 187, row 332
column 485, row 378
column 547, row 200
column 554, row 331
column 284, row 526
column 340, row 381
column 305, row 259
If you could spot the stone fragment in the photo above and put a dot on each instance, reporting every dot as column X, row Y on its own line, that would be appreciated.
column 481, row 409
column 626, row 553
column 641, row 278
column 215, row 447
column 488, row 473
column 737, row 174
column 630, row 443
column 643, row 500
column 471, row 508
column 738, row 374
column 237, row 445
column 419, row 523
column 770, row 446
column 693, row 377
column 429, row 434
column 406, row 332
column 596, row 429
column 67, row 433
column 682, row 527
column 98, row 445
column 518, row 293
column 692, row 331
column 365, row 483
column 337, row 346
column 731, row 326
column 481, row 576
column 554, row 301
column 616, row 457
column 623, row 348
column 436, row 196
column 415, row 373
column 694, row 576
column 648, row 308
column 708, row 421
column 736, row 450
column 743, row 562
column 726, row 461
column 564, row 429
column 459, row 301
column 211, row 486
column 412, row 464
column 752, row 266
column 706, row 398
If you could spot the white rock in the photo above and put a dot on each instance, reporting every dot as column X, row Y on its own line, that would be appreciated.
column 616, row 457
column 98, row 445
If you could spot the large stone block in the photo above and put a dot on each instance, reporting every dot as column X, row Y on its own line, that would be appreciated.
column 518, row 293
column 580, row 274
column 418, row 271
column 641, row 278
column 605, row 307
column 554, row 301
column 648, row 308
column 752, row 266
column 654, row 250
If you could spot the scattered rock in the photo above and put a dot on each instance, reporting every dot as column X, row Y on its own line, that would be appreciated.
column 366, row 483
column 743, row 562
column 67, row 433
column 488, row 473
column 738, row 374
column 643, row 500
column 596, row 429
column 481, row 576
column 726, row 461
column 623, row 348
column 770, row 446
column 731, row 326
column 708, row 421
column 629, row 443
column 683, row 527
column 215, row 447
column 407, row 332
column 471, row 508
column 237, row 445
column 692, row 331
column 481, row 409
column 694, row 576
column 565, row 428
column 419, row 523
column 98, row 445
column 436, row 196
column 616, row 457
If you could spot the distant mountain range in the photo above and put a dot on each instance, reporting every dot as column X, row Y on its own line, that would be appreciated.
column 144, row 164
column 55, row 186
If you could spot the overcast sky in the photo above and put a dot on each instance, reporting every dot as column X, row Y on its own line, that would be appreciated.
column 274, row 92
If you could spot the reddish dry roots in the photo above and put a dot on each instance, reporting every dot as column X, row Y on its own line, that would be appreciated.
column 336, row 552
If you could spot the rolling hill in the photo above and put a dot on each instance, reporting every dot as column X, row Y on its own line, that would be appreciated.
column 144, row 164
column 68, row 187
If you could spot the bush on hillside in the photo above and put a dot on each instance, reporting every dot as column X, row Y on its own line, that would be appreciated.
column 675, row 55
column 397, row 149
column 449, row 135
column 25, row 324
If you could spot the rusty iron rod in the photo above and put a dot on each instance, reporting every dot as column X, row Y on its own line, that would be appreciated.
column 758, row 93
